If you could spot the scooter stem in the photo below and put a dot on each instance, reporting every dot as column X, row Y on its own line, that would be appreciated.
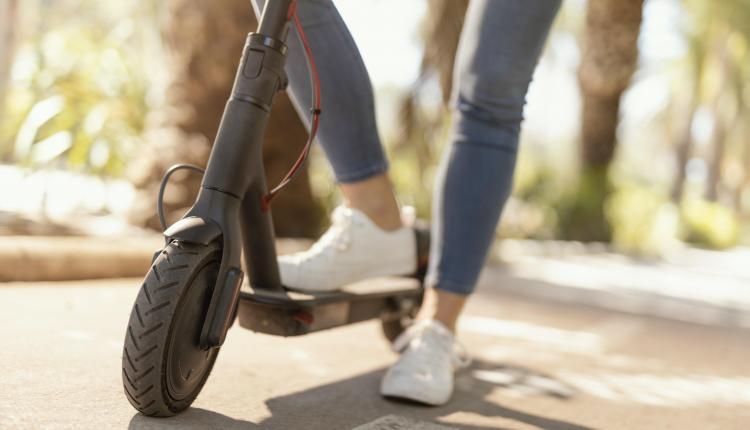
column 228, row 206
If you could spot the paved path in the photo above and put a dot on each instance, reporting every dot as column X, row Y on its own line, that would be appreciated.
column 538, row 366
column 686, row 284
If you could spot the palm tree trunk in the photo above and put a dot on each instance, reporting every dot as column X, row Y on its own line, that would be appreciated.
column 441, row 31
column 744, row 186
column 684, row 144
column 8, row 17
column 684, row 149
column 720, row 123
column 713, row 183
column 609, row 61
column 205, row 40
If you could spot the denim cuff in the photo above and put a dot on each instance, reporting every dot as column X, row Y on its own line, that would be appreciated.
column 361, row 174
column 449, row 286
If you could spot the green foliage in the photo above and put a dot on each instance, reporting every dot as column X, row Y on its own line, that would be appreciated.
column 709, row 224
column 581, row 210
column 531, row 211
column 643, row 220
column 415, row 153
column 82, row 88
column 78, row 99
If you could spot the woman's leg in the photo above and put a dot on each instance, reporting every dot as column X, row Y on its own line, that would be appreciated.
column 366, row 238
column 499, row 48
column 500, row 44
column 347, row 131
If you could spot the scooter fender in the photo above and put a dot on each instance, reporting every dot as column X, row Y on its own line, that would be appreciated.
column 194, row 229
column 204, row 230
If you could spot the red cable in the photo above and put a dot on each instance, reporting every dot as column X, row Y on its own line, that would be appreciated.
column 315, row 110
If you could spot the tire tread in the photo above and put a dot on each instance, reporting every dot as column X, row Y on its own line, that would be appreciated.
column 150, row 321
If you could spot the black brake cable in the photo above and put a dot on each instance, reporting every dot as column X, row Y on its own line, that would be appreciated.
column 163, row 186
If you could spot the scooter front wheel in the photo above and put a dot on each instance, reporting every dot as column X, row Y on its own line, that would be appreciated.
column 163, row 366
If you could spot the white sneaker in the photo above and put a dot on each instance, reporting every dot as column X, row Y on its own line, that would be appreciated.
column 424, row 371
column 352, row 249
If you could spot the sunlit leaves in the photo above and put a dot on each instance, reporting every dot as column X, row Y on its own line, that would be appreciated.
column 78, row 95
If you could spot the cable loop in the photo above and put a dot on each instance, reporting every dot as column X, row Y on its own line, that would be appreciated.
column 266, row 200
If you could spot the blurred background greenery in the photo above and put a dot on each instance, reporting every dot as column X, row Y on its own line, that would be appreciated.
column 637, row 128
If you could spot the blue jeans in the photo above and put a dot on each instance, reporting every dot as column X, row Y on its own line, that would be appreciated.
column 497, row 54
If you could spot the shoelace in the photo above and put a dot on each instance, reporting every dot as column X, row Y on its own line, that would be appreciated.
column 337, row 235
column 460, row 357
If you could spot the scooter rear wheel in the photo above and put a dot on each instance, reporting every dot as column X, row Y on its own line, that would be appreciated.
column 394, row 326
column 163, row 366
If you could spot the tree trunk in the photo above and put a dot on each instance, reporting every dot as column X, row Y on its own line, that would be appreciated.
column 684, row 150
column 205, row 40
column 713, row 182
column 744, row 186
column 441, row 31
column 8, row 18
column 609, row 60
column 684, row 145
column 721, row 114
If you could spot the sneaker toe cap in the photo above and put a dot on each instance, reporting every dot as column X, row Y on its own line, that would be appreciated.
column 422, row 387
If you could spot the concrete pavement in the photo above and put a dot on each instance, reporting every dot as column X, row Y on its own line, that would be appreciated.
column 689, row 284
column 538, row 365
column 686, row 284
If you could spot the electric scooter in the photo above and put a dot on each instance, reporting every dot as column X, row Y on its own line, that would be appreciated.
column 194, row 290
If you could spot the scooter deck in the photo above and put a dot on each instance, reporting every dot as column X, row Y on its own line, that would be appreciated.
column 289, row 298
column 292, row 313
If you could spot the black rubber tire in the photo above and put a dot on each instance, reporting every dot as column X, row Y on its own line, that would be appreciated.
column 392, row 328
column 167, row 311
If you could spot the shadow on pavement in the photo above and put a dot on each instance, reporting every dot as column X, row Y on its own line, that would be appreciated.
column 352, row 402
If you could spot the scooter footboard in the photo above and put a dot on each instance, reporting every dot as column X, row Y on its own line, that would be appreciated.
column 291, row 313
